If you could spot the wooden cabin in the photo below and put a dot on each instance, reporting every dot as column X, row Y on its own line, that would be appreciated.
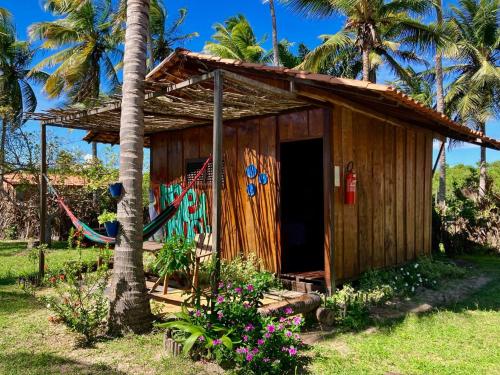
column 289, row 139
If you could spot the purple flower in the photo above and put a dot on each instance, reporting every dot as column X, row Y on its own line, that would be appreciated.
column 245, row 338
column 284, row 349
column 237, row 290
column 266, row 360
column 249, row 357
column 260, row 342
column 250, row 287
column 288, row 311
column 270, row 328
column 220, row 299
column 220, row 315
column 216, row 342
column 282, row 320
column 201, row 338
column 221, row 285
column 292, row 351
column 297, row 320
column 249, row 327
column 255, row 350
column 280, row 327
column 229, row 285
column 267, row 335
column 241, row 350
column 197, row 313
column 288, row 334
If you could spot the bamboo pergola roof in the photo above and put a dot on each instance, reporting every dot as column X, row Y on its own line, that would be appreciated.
column 170, row 106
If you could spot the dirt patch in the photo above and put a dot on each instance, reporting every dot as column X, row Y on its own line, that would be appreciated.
column 425, row 300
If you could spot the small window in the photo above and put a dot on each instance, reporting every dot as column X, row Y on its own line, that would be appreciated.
column 194, row 166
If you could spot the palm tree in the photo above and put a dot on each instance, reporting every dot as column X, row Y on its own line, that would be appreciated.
column 162, row 37
column 376, row 28
column 16, row 93
column 474, row 93
column 86, row 48
column 417, row 87
column 276, row 56
column 438, row 63
column 235, row 39
column 129, row 306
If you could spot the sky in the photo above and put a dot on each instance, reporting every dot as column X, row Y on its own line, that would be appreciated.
column 201, row 17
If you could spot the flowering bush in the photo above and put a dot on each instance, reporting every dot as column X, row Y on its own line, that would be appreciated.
column 235, row 334
column 80, row 302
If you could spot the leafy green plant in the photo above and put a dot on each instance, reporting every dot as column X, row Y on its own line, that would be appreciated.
column 176, row 255
column 79, row 300
column 106, row 217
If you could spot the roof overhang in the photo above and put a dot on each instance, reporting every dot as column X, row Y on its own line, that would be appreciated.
column 179, row 94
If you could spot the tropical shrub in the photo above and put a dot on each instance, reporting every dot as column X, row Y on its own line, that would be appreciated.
column 106, row 217
column 176, row 255
column 79, row 300
column 236, row 336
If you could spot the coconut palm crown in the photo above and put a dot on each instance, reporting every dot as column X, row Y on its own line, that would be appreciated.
column 382, row 32
column 86, row 48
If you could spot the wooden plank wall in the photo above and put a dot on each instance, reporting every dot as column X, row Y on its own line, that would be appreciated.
column 391, row 221
column 249, row 224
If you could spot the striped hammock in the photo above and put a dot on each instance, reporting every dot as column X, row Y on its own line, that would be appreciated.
column 148, row 231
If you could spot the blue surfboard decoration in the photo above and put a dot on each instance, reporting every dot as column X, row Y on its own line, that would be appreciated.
column 251, row 171
column 251, row 190
column 263, row 179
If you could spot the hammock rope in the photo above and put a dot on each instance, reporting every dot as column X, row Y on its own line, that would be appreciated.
column 148, row 231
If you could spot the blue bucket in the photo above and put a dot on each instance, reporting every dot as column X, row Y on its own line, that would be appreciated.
column 116, row 189
column 111, row 228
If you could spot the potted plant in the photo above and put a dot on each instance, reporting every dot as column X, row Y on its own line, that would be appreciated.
column 116, row 189
column 109, row 221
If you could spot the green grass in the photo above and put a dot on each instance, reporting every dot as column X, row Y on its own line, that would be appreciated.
column 459, row 339
column 30, row 344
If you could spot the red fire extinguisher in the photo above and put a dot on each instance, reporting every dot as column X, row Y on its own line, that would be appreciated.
column 350, row 184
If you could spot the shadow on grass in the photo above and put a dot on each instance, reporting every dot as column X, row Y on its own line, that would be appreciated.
column 16, row 301
column 44, row 363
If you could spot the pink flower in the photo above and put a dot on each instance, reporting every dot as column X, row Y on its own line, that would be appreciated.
column 220, row 315
column 292, row 351
column 280, row 327
column 266, row 360
column 249, row 357
column 201, row 338
column 270, row 328
column 288, row 311
column 282, row 320
column 220, row 299
column 241, row 350
column 221, row 285
column 249, row 327
column 297, row 336
column 237, row 290
column 267, row 335
column 229, row 285
column 260, row 342
column 288, row 334
column 246, row 305
column 216, row 342
column 197, row 313
column 245, row 338
column 255, row 350
column 250, row 287
column 297, row 320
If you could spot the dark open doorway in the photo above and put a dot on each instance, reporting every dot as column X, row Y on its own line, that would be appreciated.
column 301, row 197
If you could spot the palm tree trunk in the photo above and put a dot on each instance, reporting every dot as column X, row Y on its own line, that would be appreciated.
column 366, row 64
column 129, row 306
column 94, row 161
column 482, row 166
column 275, row 34
column 3, row 139
column 151, row 61
column 441, row 195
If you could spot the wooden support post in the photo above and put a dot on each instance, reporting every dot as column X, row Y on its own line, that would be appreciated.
column 328, row 201
column 43, row 199
column 217, row 175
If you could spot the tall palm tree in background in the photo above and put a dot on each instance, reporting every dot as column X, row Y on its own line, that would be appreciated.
column 377, row 29
column 438, row 66
column 235, row 39
column 474, row 93
column 163, row 37
column 276, row 54
column 129, row 306
column 86, row 49
column 16, row 93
